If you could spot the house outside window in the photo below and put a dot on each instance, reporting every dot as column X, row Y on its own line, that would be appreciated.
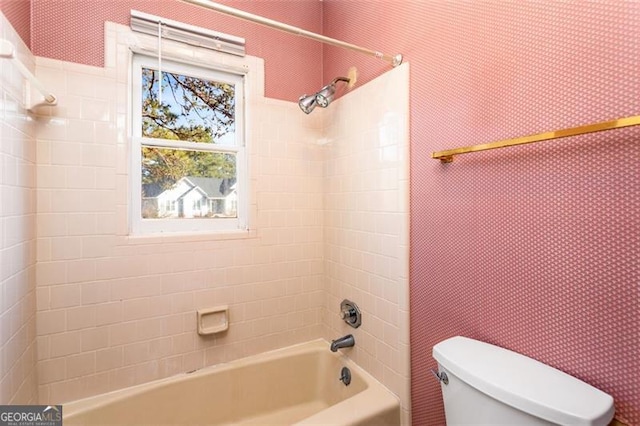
column 188, row 150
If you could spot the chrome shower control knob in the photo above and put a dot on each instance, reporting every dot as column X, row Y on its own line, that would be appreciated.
column 350, row 313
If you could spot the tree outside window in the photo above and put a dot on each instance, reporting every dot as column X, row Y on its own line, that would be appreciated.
column 189, row 142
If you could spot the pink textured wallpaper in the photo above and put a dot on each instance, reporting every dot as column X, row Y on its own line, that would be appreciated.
column 18, row 12
column 534, row 248
column 73, row 30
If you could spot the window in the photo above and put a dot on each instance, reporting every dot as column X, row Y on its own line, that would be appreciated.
column 188, row 159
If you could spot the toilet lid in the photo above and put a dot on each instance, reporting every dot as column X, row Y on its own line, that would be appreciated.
column 524, row 383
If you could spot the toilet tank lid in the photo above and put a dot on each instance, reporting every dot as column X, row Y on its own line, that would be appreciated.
column 524, row 383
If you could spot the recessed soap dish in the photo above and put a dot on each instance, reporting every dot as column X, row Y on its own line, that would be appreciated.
column 213, row 320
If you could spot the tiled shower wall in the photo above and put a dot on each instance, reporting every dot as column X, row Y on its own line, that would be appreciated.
column 115, row 311
column 366, row 225
column 18, row 379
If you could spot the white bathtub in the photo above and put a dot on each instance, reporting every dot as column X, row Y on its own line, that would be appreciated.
column 297, row 385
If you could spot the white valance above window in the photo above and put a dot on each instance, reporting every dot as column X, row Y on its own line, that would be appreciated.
column 185, row 33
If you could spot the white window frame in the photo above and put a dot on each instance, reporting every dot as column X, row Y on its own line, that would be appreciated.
column 140, row 226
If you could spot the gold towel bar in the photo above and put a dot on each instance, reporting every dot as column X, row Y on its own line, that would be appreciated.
column 447, row 155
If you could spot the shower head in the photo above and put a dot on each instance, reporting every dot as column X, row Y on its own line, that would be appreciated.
column 326, row 94
column 307, row 103
column 323, row 97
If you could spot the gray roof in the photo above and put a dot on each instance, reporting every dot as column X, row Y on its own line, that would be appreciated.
column 211, row 187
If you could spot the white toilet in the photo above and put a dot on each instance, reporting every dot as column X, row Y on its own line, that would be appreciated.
column 489, row 385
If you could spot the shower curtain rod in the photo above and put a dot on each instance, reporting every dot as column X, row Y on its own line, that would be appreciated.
column 394, row 60
column 7, row 51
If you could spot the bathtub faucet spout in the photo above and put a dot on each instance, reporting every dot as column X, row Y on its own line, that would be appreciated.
column 343, row 342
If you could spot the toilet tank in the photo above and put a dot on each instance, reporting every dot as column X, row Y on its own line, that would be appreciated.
column 493, row 385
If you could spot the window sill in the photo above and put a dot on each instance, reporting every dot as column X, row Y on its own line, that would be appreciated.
column 178, row 237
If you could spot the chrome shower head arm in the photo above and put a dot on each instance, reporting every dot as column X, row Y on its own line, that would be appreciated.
column 337, row 79
column 322, row 98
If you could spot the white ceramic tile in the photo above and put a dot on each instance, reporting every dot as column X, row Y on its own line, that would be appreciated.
column 142, row 295
column 363, row 251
